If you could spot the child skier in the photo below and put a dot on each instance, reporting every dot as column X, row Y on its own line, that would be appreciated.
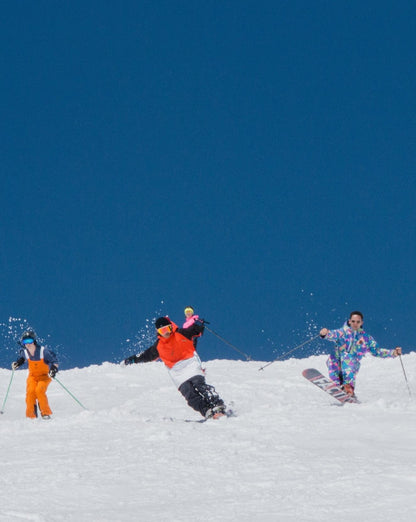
column 174, row 346
column 351, row 344
column 43, row 366
column 190, row 318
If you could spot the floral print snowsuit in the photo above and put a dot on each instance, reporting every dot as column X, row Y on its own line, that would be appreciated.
column 344, row 361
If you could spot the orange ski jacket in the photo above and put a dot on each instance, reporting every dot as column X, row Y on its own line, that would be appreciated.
column 175, row 348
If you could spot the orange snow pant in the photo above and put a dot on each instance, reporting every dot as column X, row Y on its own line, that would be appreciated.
column 36, row 387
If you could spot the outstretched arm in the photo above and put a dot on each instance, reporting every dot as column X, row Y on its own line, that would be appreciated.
column 151, row 354
column 382, row 352
column 332, row 335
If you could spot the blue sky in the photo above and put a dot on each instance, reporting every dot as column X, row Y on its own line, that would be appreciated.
column 253, row 159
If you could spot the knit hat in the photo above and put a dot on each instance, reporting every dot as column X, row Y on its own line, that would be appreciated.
column 162, row 321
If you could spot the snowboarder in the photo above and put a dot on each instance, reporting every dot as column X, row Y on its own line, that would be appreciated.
column 174, row 346
column 351, row 344
column 43, row 366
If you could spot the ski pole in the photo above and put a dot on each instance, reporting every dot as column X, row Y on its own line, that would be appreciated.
column 7, row 393
column 71, row 394
column 405, row 376
column 289, row 352
column 226, row 342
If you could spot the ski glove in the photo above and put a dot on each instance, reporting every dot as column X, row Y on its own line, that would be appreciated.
column 53, row 370
column 131, row 360
column 18, row 363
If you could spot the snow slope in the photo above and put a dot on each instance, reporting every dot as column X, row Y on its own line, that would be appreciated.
column 291, row 454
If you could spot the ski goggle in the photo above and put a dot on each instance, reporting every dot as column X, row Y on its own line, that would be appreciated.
column 28, row 340
column 165, row 329
column 188, row 311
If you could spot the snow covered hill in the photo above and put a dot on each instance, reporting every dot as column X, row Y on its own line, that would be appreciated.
column 291, row 453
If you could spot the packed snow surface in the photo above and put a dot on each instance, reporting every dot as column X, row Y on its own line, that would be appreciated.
column 291, row 453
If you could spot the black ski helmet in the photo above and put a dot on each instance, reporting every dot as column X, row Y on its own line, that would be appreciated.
column 29, row 334
column 162, row 321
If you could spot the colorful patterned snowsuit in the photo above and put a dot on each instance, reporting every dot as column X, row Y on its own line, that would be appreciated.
column 38, row 380
column 344, row 361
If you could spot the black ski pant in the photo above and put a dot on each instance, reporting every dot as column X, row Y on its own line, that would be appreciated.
column 199, row 395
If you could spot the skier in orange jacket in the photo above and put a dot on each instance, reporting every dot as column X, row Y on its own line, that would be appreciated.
column 175, row 347
column 43, row 366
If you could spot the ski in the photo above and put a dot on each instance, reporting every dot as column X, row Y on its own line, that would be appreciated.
column 328, row 386
column 227, row 413
column 174, row 419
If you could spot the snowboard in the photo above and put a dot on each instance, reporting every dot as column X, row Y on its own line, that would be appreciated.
column 328, row 386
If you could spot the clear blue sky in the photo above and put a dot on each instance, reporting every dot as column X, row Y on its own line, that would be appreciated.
column 255, row 159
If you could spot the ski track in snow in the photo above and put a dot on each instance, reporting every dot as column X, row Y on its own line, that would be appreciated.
column 291, row 453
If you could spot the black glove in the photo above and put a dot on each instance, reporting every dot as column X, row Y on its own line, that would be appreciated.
column 131, row 360
column 18, row 363
column 201, row 321
column 53, row 370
